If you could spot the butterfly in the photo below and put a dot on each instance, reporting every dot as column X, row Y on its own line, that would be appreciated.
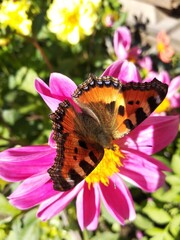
column 107, row 110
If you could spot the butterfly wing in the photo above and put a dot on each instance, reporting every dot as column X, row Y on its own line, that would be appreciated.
column 75, row 157
column 119, row 107
column 98, row 97
column 140, row 100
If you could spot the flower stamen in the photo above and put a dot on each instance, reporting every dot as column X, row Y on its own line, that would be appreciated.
column 109, row 165
column 164, row 106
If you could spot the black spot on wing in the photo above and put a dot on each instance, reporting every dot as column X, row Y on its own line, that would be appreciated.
column 110, row 107
column 131, row 102
column 76, row 150
column 152, row 103
column 87, row 168
column 128, row 124
column 121, row 110
column 62, row 185
column 93, row 157
column 82, row 144
column 74, row 176
column 140, row 115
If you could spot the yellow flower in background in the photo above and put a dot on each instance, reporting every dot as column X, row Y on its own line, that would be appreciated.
column 4, row 41
column 72, row 20
column 14, row 15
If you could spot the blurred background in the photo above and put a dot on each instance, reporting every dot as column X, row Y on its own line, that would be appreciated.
column 76, row 38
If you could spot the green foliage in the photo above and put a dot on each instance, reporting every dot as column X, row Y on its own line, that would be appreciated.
column 24, row 121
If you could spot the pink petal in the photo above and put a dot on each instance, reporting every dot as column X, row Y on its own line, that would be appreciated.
column 61, row 88
column 143, row 171
column 174, row 85
column 174, row 92
column 19, row 163
column 117, row 199
column 164, row 77
column 113, row 70
column 33, row 191
column 56, row 204
column 122, row 42
column 146, row 63
column 152, row 135
column 151, row 75
column 121, row 52
column 125, row 71
column 51, row 141
column 46, row 95
column 129, row 73
column 163, row 38
column 166, row 55
column 88, row 207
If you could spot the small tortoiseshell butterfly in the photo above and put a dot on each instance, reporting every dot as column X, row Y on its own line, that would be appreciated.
column 109, row 110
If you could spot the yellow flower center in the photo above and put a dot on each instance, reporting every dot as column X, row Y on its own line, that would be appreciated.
column 109, row 165
column 164, row 106
column 72, row 17
column 160, row 47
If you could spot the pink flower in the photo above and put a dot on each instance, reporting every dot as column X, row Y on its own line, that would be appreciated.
column 124, row 51
column 165, row 50
column 122, row 45
column 139, row 234
column 145, row 66
column 109, row 18
column 30, row 164
column 172, row 99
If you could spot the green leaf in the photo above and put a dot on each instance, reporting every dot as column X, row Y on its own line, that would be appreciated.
column 106, row 215
column 106, row 235
column 162, row 236
column 155, row 231
column 143, row 222
column 7, row 211
column 158, row 215
column 28, row 80
column 10, row 116
column 173, row 180
column 25, row 227
column 175, row 164
column 2, row 234
column 172, row 195
column 11, row 236
column 175, row 226
column 2, row 184
column 31, row 226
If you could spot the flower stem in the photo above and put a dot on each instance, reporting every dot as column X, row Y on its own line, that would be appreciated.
column 85, row 235
column 43, row 54
column 36, row 44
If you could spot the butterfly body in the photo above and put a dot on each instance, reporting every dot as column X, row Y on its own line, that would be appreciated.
column 90, row 130
column 107, row 110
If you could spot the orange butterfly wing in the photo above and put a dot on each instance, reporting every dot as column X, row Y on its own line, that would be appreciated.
column 75, row 158
column 140, row 100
